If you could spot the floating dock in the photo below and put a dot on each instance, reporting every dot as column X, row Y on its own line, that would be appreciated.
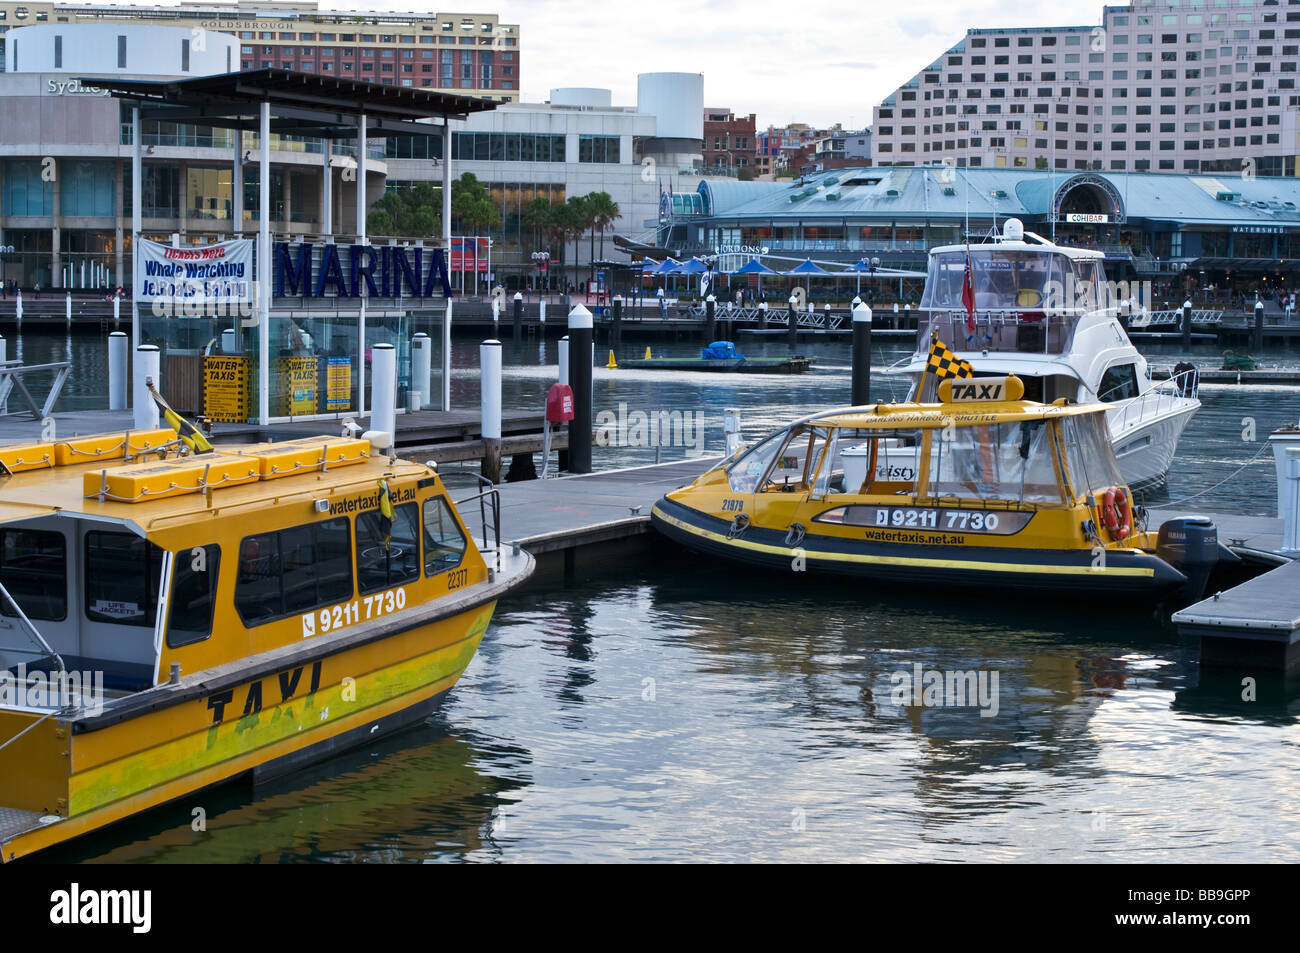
column 1254, row 624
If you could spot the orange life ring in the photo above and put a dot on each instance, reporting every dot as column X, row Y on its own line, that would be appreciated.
column 1117, row 512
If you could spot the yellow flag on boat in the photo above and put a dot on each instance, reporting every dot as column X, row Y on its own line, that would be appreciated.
column 189, row 434
column 386, row 513
column 944, row 363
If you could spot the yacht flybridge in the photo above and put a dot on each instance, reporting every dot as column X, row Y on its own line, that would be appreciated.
column 1045, row 313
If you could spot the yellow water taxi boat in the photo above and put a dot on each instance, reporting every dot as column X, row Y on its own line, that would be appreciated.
column 982, row 489
column 172, row 620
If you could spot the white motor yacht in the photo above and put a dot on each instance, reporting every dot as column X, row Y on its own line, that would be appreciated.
column 1046, row 313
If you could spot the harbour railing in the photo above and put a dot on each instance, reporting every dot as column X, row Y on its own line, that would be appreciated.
column 1201, row 317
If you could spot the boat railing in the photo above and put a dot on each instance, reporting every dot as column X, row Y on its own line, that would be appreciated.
column 1162, row 398
column 1030, row 332
column 489, row 503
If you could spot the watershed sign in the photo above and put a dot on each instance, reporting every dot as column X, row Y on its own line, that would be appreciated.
column 206, row 274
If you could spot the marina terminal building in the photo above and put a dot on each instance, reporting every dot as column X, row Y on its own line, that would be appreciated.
column 1185, row 233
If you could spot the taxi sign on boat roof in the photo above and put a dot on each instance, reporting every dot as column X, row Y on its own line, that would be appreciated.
column 965, row 390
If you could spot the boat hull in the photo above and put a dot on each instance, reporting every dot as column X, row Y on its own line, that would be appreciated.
column 1146, row 451
column 1125, row 573
column 271, row 714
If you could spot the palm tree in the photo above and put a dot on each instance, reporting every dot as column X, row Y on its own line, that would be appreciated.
column 605, row 212
column 575, row 223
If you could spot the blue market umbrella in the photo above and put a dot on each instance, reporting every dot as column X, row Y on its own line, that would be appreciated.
column 669, row 266
column 807, row 268
column 693, row 267
column 756, row 267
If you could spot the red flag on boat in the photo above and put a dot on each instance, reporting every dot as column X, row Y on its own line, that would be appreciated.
column 968, row 296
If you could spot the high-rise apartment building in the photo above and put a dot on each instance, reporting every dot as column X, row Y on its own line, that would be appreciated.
column 466, row 53
column 1171, row 86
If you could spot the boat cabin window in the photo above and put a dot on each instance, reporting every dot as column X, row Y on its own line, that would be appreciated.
column 1003, row 280
column 1118, row 383
column 796, row 463
column 293, row 570
column 1089, row 456
column 34, row 568
column 871, row 463
column 122, row 575
column 744, row 474
column 444, row 543
column 193, row 595
column 1008, row 461
column 388, row 559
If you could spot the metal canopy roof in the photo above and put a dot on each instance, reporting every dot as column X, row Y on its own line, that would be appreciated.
column 302, row 104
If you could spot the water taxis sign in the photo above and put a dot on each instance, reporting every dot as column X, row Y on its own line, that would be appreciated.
column 299, row 375
column 206, row 274
column 225, row 388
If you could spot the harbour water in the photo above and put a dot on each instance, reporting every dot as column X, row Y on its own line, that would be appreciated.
column 685, row 710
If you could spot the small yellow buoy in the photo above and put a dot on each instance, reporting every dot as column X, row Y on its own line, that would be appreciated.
column 647, row 353
column 611, row 365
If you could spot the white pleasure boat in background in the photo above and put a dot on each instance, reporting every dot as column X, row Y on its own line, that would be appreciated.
column 1046, row 313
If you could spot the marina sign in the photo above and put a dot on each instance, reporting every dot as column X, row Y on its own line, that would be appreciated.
column 303, row 270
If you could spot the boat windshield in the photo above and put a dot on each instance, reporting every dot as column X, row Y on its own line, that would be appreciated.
column 1089, row 455
column 1008, row 461
column 1003, row 279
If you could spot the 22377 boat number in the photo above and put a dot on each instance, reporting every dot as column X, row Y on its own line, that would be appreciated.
column 349, row 613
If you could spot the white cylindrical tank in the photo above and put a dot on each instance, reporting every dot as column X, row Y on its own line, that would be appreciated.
column 587, row 96
column 676, row 100
column 105, row 49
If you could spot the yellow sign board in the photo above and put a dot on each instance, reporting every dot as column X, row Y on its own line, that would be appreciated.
column 338, row 383
column 225, row 388
column 299, row 378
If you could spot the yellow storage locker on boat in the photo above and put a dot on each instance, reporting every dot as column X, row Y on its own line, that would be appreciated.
column 295, row 456
column 109, row 446
column 157, row 480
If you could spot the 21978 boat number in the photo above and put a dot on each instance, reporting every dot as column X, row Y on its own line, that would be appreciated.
column 358, row 610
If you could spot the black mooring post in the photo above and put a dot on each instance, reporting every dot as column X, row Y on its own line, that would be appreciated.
column 792, row 326
column 616, row 339
column 1259, row 326
column 519, row 316
column 710, row 319
column 861, row 354
column 1187, row 324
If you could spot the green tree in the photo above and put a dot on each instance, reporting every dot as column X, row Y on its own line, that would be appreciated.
column 407, row 213
column 604, row 213
column 472, row 208
column 745, row 174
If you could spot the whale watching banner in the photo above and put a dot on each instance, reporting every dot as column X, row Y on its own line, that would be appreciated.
column 199, row 274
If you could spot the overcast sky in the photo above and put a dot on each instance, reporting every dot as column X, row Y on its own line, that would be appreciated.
column 817, row 61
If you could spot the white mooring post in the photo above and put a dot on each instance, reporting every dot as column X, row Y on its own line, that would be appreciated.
column 117, row 352
column 147, row 363
column 1291, row 492
column 489, row 357
column 421, row 370
column 383, row 391
column 731, row 427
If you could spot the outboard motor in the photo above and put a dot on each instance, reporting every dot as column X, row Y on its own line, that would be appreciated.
column 1186, row 378
column 1191, row 545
